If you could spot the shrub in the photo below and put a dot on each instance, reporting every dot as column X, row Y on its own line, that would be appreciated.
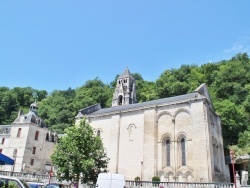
column 137, row 178
column 156, row 180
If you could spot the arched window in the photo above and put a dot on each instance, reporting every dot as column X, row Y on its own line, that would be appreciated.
column 34, row 150
column 32, row 162
column 52, row 138
column 120, row 100
column 168, row 152
column 183, row 152
column 19, row 132
column 98, row 133
column 36, row 135
column 14, row 153
column 131, row 132
column 3, row 139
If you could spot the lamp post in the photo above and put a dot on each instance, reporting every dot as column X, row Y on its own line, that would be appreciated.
column 141, row 171
column 232, row 157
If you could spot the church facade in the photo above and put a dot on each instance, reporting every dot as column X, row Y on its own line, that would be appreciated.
column 178, row 139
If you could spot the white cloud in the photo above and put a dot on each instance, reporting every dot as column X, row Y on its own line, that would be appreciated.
column 235, row 48
column 242, row 45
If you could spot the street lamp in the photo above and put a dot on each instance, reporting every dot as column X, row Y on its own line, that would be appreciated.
column 232, row 157
column 141, row 171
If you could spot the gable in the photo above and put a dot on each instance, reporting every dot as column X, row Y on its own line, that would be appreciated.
column 202, row 90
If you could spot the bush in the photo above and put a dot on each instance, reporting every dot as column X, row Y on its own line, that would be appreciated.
column 156, row 180
column 137, row 178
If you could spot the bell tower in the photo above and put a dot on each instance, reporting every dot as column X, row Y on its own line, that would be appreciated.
column 125, row 91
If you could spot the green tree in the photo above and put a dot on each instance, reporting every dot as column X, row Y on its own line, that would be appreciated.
column 9, row 107
column 231, row 78
column 172, row 83
column 12, row 100
column 232, row 120
column 244, row 141
column 145, row 91
column 79, row 155
column 246, row 103
column 209, row 70
column 57, row 110
column 92, row 92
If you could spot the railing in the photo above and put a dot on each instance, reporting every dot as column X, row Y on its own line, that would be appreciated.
column 149, row 184
column 129, row 184
column 30, row 177
column 39, row 178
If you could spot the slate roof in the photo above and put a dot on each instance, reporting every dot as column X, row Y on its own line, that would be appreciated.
column 30, row 117
column 169, row 100
column 126, row 74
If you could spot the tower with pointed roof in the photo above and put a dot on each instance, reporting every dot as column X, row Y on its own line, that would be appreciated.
column 125, row 92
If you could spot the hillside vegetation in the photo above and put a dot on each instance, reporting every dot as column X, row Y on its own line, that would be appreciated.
column 228, row 82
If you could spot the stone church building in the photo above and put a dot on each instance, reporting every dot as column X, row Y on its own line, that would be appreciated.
column 178, row 138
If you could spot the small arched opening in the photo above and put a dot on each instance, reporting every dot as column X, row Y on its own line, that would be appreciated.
column 120, row 98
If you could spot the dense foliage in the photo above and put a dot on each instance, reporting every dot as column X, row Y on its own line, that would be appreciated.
column 228, row 82
column 79, row 155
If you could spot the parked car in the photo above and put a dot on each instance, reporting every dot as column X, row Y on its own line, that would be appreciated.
column 56, row 185
column 34, row 184
column 13, row 182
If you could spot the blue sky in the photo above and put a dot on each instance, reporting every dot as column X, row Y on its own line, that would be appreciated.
column 57, row 44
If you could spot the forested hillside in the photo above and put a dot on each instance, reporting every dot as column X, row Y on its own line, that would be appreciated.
column 228, row 82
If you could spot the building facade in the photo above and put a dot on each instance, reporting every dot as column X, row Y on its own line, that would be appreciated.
column 28, row 141
column 178, row 139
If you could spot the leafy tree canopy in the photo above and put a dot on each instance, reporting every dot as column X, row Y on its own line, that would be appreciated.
column 79, row 155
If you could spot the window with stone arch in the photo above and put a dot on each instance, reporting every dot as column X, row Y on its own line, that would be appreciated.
column 14, row 153
column 19, row 132
column 182, row 149
column 120, row 98
column 166, row 150
column 131, row 132
column 98, row 133
column 36, row 135
column 183, row 152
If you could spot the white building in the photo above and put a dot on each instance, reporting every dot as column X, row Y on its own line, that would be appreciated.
column 28, row 142
column 177, row 138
